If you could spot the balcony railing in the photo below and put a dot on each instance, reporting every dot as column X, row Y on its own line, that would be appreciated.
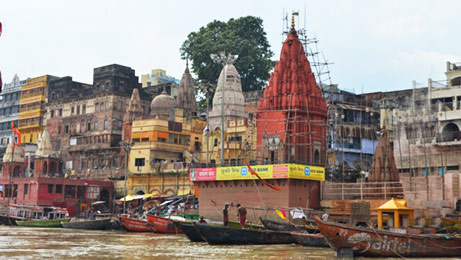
column 449, row 137
column 361, row 191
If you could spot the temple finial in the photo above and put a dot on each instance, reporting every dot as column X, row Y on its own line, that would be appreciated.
column 292, row 21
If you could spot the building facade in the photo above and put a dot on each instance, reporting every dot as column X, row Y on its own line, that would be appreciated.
column 159, row 77
column 32, row 108
column 9, row 110
column 85, row 121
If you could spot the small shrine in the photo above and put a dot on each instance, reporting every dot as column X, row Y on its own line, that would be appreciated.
column 398, row 214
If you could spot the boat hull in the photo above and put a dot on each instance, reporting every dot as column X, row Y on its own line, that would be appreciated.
column 163, row 225
column 136, row 225
column 382, row 243
column 48, row 223
column 100, row 224
column 8, row 220
column 220, row 235
column 190, row 231
column 307, row 239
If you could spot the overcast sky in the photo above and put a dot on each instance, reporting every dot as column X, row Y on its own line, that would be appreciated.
column 374, row 45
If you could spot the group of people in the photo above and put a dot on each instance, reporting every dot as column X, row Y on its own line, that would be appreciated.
column 241, row 214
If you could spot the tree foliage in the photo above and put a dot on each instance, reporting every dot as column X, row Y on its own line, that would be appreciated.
column 245, row 37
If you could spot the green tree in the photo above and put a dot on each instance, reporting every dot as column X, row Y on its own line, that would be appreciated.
column 245, row 37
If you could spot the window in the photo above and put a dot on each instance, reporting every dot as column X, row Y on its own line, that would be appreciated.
column 50, row 188
column 107, row 105
column 59, row 130
column 120, row 106
column 26, row 188
column 106, row 124
column 60, row 112
column 215, row 142
column 93, row 192
column 83, row 109
column 88, row 127
column 80, row 192
column 95, row 125
column 96, row 107
column 58, row 144
column 72, row 110
column 119, row 124
column 139, row 162
column 66, row 129
column 52, row 113
column 78, row 109
column 101, row 106
column 69, row 192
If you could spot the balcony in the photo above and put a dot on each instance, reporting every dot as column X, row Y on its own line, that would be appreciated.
column 449, row 138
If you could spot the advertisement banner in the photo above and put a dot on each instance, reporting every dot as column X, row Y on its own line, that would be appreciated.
column 297, row 171
column 202, row 174
column 242, row 172
column 270, row 171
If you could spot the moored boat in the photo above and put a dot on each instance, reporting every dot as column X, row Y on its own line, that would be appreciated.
column 221, row 235
column 136, row 225
column 189, row 230
column 452, row 225
column 383, row 243
column 98, row 224
column 33, row 216
column 49, row 223
column 307, row 239
column 162, row 225
column 274, row 225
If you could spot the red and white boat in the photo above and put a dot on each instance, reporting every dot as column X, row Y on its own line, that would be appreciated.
column 137, row 225
column 163, row 225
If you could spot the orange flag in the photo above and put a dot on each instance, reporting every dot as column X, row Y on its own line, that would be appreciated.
column 263, row 181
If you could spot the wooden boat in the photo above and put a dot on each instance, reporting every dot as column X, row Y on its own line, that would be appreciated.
column 189, row 230
column 274, row 225
column 220, row 235
column 162, row 225
column 98, row 224
column 49, row 223
column 236, row 224
column 308, row 239
column 452, row 225
column 33, row 216
column 136, row 225
column 383, row 243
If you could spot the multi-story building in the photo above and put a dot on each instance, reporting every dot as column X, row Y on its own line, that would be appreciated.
column 164, row 143
column 9, row 110
column 352, row 126
column 32, row 108
column 85, row 121
column 159, row 77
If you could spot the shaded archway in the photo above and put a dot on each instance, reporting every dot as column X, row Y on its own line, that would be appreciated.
column 140, row 192
column 17, row 171
column 53, row 168
column 456, row 81
column 104, row 195
column 450, row 132
column 45, row 168
column 317, row 157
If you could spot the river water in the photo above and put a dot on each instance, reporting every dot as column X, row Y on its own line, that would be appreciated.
column 47, row 243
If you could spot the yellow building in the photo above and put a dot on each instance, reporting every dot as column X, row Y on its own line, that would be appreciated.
column 240, row 143
column 32, row 108
column 152, row 79
column 163, row 144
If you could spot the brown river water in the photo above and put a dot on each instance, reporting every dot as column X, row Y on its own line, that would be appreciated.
column 47, row 243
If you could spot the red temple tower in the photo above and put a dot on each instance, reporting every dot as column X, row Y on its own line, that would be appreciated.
column 292, row 113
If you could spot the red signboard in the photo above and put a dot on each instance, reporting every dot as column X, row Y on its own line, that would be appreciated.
column 202, row 174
